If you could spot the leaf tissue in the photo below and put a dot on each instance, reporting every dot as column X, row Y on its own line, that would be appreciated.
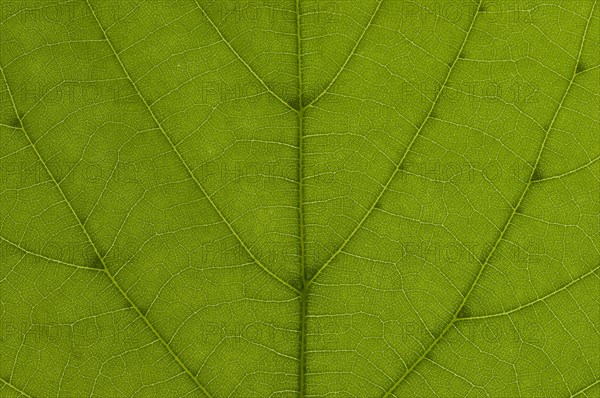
column 303, row 198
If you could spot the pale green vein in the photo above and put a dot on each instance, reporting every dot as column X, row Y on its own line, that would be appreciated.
column 585, row 389
column 208, row 18
column 588, row 70
column 543, row 298
column 304, row 292
column 182, row 160
column 91, row 242
column 404, row 156
column 506, row 224
column 343, row 67
column 588, row 164
column 15, row 388
column 54, row 260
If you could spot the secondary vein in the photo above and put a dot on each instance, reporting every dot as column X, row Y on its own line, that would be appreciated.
column 506, row 224
column 184, row 163
column 360, row 39
column 404, row 156
column 54, row 260
column 94, row 247
column 15, row 388
column 209, row 19
column 541, row 299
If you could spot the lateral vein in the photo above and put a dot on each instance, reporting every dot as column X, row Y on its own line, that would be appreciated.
column 404, row 156
column 93, row 245
column 184, row 163
column 15, row 388
column 216, row 28
column 506, row 224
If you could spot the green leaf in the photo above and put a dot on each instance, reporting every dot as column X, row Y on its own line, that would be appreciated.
column 314, row 198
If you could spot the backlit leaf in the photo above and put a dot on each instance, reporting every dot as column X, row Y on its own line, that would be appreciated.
column 305, row 198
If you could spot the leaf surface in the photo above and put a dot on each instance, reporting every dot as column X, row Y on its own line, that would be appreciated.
column 374, row 198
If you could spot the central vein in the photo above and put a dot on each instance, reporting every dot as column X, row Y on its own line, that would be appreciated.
column 304, row 289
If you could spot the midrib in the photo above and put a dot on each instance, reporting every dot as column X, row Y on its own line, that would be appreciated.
column 305, row 286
